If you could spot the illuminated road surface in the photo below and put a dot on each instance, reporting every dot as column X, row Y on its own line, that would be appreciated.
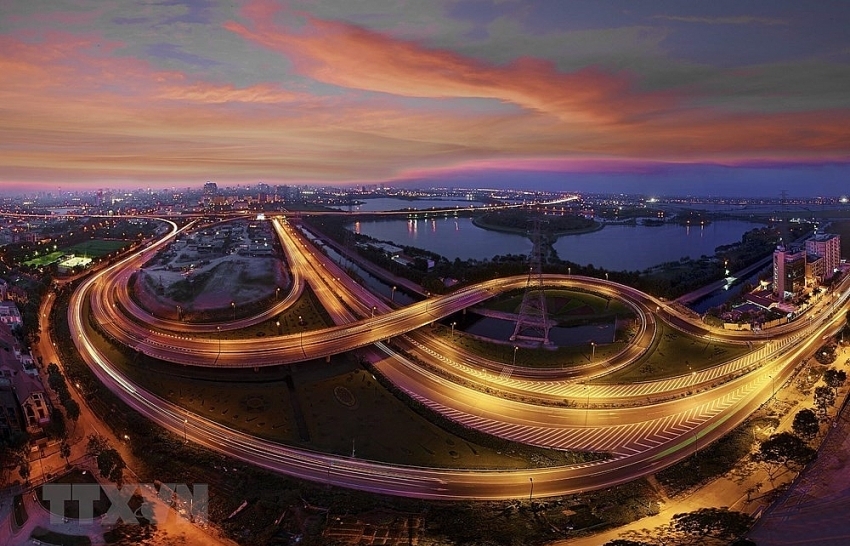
column 643, row 439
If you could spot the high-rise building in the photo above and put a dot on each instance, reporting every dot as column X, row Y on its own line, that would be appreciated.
column 210, row 188
column 827, row 247
column 789, row 271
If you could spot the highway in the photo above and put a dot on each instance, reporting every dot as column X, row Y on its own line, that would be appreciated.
column 642, row 439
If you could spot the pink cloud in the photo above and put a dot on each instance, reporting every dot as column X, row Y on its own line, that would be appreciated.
column 343, row 54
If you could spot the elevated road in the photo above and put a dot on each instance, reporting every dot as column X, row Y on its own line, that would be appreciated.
column 641, row 439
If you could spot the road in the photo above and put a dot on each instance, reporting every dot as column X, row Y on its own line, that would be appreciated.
column 642, row 439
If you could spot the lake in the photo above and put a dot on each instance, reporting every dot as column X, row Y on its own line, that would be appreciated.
column 615, row 247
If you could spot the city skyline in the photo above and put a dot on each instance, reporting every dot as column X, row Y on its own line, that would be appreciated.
column 727, row 99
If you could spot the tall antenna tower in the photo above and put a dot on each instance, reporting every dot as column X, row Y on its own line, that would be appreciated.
column 532, row 323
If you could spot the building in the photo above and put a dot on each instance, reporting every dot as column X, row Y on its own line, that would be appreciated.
column 789, row 271
column 827, row 247
column 210, row 188
column 21, row 388
column 11, row 420
column 9, row 313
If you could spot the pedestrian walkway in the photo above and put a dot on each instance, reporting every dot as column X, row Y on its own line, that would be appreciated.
column 814, row 511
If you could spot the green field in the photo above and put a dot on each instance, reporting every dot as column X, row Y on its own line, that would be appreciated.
column 675, row 353
column 329, row 407
column 96, row 248
column 46, row 259
column 569, row 306
column 93, row 249
column 538, row 357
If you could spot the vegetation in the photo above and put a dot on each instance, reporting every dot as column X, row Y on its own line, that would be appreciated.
column 704, row 526
column 668, row 280
column 520, row 221
column 806, row 424
column 57, row 382
column 109, row 461
column 785, row 449
column 676, row 353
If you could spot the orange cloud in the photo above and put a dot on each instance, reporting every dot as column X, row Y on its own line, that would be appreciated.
column 349, row 56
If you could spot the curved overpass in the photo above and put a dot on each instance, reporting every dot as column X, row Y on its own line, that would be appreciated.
column 643, row 439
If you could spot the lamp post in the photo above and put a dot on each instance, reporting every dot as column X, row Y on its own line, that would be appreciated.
column 277, row 293
column 218, row 329
column 516, row 347
column 592, row 350
column 773, row 382
column 606, row 276
column 185, row 438
column 374, row 308
column 392, row 295
column 531, row 491
column 233, row 306
column 453, row 330
column 179, row 313
column 586, row 405
column 277, row 323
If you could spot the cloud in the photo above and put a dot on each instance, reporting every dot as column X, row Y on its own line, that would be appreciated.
column 349, row 56
column 736, row 20
column 324, row 100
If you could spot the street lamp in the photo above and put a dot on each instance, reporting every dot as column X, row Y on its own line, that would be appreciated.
column 606, row 276
column 593, row 350
column 218, row 329
column 233, row 306
column 531, row 491
column 392, row 295
column 773, row 382
column 185, row 438
column 515, row 350
column 586, row 405
column 374, row 308
column 453, row 330
column 277, row 323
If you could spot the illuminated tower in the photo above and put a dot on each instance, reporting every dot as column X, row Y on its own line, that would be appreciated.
column 532, row 323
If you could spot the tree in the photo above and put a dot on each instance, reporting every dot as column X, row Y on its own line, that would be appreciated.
column 824, row 398
column 787, row 449
column 806, row 424
column 72, row 409
column 111, row 465
column 24, row 468
column 96, row 444
column 65, row 451
column 56, row 428
column 834, row 378
column 718, row 523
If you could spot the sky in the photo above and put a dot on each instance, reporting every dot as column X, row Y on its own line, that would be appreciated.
column 670, row 97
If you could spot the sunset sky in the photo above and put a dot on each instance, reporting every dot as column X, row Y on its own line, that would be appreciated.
column 676, row 97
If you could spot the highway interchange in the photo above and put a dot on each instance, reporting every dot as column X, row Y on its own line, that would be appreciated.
column 644, row 427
